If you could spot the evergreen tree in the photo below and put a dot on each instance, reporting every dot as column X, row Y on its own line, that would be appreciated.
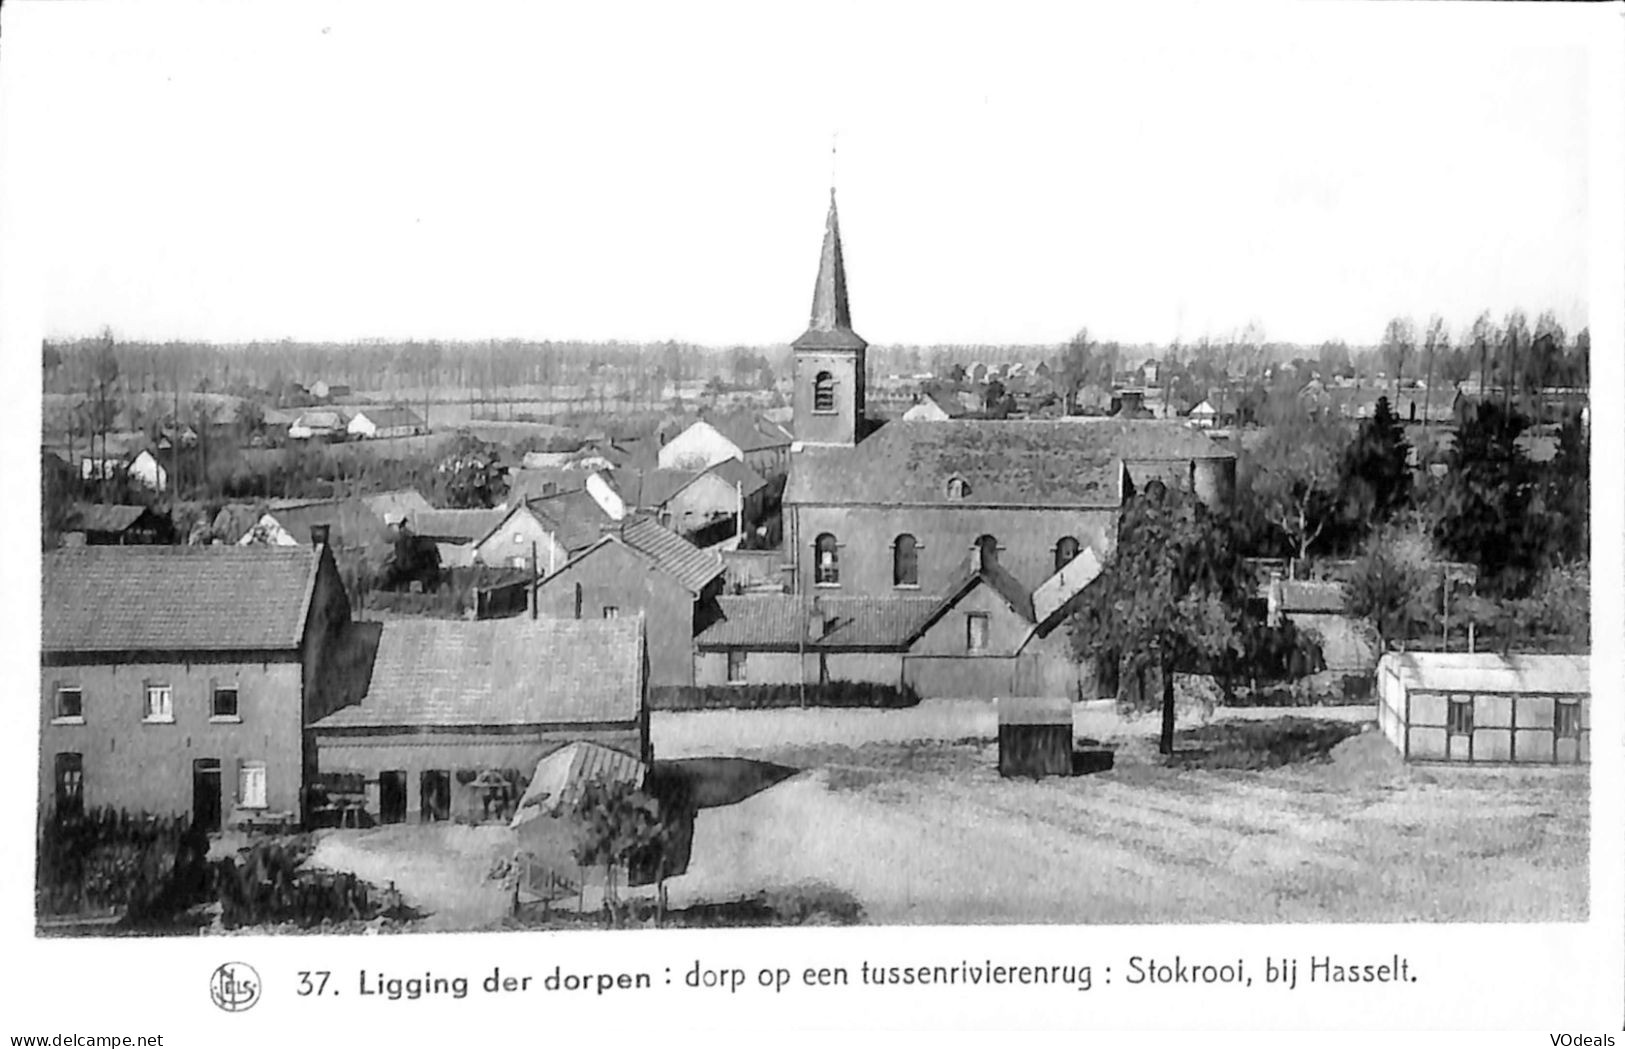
column 1488, row 514
column 1376, row 469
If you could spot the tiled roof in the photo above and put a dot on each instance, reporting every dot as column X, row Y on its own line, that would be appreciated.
column 384, row 418
column 103, row 517
column 751, row 434
column 1005, row 463
column 405, row 502
column 534, row 482
column 351, row 521
column 777, row 621
column 460, row 526
column 651, row 489
column 670, row 552
column 575, row 519
column 1490, row 672
column 321, row 419
column 737, row 473
column 175, row 598
column 496, row 672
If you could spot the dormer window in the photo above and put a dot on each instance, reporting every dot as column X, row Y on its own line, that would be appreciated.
column 824, row 393
column 958, row 488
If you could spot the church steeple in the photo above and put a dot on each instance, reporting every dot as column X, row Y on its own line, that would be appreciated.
column 830, row 327
column 829, row 357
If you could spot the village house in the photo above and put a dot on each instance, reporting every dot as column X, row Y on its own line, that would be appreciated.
column 708, row 505
column 318, row 424
column 347, row 523
column 456, row 534
column 544, row 533
column 177, row 680
column 385, row 422
column 323, row 390
column 641, row 568
column 451, row 700
column 935, row 408
column 760, row 443
column 104, row 524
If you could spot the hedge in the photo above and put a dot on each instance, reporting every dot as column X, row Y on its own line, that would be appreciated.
column 1325, row 690
column 766, row 697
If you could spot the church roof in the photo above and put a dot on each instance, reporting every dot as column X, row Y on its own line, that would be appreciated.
column 831, row 325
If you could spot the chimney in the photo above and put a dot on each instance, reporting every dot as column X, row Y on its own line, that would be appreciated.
column 319, row 534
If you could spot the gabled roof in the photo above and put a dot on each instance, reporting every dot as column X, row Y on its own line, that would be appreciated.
column 1024, row 462
column 455, row 526
column 176, row 598
column 777, row 622
column 321, row 419
column 103, row 517
column 535, row 482
column 670, row 552
column 384, row 418
column 351, row 522
column 830, row 326
column 751, row 433
column 433, row 673
column 736, row 473
column 651, row 489
column 1055, row 596
column 999, row 581
column 575, row 519
column 405, row 501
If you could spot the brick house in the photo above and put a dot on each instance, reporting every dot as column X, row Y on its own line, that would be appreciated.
column 641, row 568
column 178, row 680
column 449, row 700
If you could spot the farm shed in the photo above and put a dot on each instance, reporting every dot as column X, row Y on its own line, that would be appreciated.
column 1035, row 737
column 1485, row 707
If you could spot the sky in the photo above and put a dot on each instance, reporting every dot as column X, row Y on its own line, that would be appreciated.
column 618, row 171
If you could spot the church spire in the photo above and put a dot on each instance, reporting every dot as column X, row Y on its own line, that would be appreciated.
column 831, row 324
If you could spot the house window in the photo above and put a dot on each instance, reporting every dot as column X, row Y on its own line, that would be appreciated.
column 1065, row 552
column 160, row 704
column 224, row 704
column 976, row 632
column 987, row 551
column 519, row 561
column 736, row 667
column 70, row 703
column 251, row 785
column 905, row 562
column 824, row 392
column 611, row 612
column 958, row 488
column 1567, row 723
column 827, row 561
column 70, row 784
column 1460, row 718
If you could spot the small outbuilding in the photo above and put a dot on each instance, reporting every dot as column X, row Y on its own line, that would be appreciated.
column 1035, row 737
column 1486, row 707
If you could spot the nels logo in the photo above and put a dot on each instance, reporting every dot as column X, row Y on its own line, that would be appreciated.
column 234, row 987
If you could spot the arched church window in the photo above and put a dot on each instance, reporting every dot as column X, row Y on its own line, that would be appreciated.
column 958, row 488
column 826, row 561
column 824, row 392
column 987, row 551
column 905, row 561
column 1065, row 551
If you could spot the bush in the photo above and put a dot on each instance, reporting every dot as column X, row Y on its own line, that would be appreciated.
column 136, row 865
column 773, row 697
column 1320, row 690
column 265, row 884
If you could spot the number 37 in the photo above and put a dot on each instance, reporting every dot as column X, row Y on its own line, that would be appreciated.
column 306, row 987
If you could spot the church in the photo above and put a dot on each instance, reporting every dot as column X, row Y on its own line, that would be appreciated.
column 945, row 554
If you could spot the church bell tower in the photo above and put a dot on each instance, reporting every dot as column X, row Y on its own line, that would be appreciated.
column 829, row 356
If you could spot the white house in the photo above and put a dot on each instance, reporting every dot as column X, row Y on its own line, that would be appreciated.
column 318, row 423
column 386, row 422
column 145, row 469
column 757, row 442
column 929, row 409
column 1204, row 415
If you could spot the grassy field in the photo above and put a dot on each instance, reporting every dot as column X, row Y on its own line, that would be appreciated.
column 927, row 832
column 1265, row 817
